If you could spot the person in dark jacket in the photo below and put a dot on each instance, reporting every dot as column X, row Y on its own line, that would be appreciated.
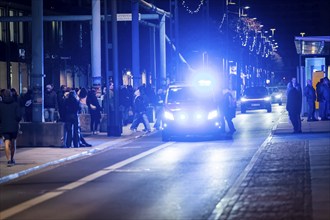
column 94, row 110
column 60, row 102
column 159, row 104
column 140, row 113
column 25, row 101
column 10, row 116
column 228, row 111
column 310, row 95
column 50, row 102
column 293, row 106
column 325, row 96
column 72, row 107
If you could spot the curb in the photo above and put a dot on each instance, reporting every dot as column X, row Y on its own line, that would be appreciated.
column 98, row 148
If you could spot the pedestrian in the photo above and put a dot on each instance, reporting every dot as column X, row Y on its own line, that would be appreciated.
column 10, row 117
column 94, row 110
column 228, row 111
column 82, row 94
column 60, row 102
column 50, row 104
column 326, row 94
column 160, row 98
column 124, row 103
column 25, row 101
column 294, row 104
column 320, row 98
column 14, row 94
column 310, row 95
column 140, row 113
column 72, row 107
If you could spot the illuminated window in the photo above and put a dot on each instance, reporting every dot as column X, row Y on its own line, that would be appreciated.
column 11, row 27
column 21, row 30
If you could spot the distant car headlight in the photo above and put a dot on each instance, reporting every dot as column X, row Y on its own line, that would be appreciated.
column 278, row 96
column 244, row 99
column 168, row 115
column 267, row 98
column 213, row 114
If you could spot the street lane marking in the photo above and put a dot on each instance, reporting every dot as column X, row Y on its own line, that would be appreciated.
column 57, row 192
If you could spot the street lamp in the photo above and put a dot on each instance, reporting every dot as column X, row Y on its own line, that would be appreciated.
column 272, row 30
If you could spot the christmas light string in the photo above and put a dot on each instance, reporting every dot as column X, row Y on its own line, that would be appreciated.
column 192, row 11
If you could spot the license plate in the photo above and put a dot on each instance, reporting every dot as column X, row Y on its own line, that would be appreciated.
column 255, row 105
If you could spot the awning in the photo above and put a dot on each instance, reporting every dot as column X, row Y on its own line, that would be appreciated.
column 315, row 45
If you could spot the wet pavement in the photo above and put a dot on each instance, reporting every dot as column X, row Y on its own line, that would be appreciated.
column 288, row 177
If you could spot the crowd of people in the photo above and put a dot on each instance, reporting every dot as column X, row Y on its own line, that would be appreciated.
column 66, row 104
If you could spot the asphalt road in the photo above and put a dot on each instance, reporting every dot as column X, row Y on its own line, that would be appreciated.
column 144, row 179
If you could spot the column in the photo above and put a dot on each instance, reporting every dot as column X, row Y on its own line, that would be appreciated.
column 37, row 80
column 96, row 42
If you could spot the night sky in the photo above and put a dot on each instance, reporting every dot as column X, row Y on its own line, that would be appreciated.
column 288, row 17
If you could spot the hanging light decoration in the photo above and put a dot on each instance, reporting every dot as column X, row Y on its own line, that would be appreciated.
column 192, row 11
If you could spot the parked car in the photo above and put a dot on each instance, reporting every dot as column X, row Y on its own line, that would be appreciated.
column 256, row 98
column 275, row 94
column 190, row 110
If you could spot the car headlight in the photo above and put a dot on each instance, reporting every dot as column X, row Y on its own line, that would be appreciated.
column 278, row 96
column 212, row 115
column 267, row 98
column 244, row 99
column 168, row 115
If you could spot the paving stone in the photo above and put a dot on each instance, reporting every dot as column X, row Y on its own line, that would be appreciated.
column 277, row 187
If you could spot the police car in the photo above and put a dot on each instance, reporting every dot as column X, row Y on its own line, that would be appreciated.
column 190, row 110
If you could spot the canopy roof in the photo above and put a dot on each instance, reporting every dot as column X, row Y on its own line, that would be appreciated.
column 314, row 45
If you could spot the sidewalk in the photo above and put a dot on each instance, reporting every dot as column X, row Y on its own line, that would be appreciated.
column 35, row 158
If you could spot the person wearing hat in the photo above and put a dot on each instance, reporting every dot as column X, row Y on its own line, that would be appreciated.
column 50, row 104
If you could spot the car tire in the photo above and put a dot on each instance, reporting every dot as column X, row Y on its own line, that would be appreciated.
column 280, row 103
column 269, row 109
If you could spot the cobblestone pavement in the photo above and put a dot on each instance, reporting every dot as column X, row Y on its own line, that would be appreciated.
column 288, row 177
column 277, row 187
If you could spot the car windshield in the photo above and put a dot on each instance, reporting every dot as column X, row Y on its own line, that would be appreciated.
column 256, row 91
column 189, row 95
column 272, row 90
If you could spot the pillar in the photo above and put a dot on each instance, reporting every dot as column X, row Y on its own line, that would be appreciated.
column 96, row 42
column 37, row 75
column 135, row 44
column 162, row 48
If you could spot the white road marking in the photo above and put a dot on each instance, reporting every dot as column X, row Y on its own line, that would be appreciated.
column 40, row 199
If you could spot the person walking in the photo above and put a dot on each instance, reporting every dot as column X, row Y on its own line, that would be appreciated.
column 10, row 116
column 72, row 107
column 50, row 102
column 94, row 110
column 294, row 104
column 310, row 95
column 140, row 113
column 228, row 111
column 159, row 104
